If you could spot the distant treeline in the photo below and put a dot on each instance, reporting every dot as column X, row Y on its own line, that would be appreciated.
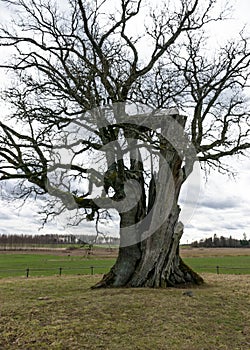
column 13, row 241
column 215, row 241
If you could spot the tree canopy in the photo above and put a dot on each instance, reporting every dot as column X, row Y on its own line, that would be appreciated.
column 144, row 102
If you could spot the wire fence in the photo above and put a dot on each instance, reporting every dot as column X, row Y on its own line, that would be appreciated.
column 219, row 269
column 91, row 270
column 88, row 270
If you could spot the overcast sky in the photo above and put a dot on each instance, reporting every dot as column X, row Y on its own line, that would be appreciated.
column 223, row 206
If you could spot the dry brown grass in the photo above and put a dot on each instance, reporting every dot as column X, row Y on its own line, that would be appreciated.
column 102, row 252
column 203, row 252
column 63, row 313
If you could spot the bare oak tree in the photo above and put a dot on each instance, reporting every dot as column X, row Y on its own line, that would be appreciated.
column 90, row 82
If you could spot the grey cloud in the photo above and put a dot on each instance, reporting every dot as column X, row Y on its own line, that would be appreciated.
column 201, row 225
column 219, row 203
column 235, row 225
column 189, row 226
column 206, row 229
column 4, row 216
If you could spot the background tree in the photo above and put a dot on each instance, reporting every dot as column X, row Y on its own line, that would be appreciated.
column 69, row 61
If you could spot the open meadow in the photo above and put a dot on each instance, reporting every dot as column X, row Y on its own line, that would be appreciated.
column 220, row 260
column 78, row 262
column 51, row 264
column 59, row 313
column 49, row 311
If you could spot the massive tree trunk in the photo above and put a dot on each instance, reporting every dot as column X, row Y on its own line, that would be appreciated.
column 154, row 260
column 160, row 264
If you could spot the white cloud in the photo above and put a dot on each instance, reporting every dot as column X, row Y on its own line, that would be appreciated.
column 223, row 207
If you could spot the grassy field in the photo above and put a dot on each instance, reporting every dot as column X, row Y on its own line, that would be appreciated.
column 226, row 264
column 51, row 313
column 230, row 261
column 50, row 264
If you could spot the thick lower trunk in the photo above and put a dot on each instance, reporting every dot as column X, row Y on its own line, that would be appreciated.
column 154, row 262
column 161, row 265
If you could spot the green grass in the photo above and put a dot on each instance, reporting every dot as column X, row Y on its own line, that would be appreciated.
column 52, row 313
column 227, row 264
column 48, row 264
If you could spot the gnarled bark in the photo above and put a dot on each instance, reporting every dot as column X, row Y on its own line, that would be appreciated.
column 155, row 260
